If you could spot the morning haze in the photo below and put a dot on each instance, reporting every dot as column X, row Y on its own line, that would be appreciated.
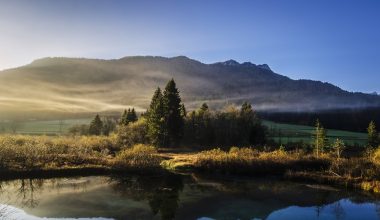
column 199, row 110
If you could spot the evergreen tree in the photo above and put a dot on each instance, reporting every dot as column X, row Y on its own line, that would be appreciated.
column 124, row 119
column 128, row 116
column 183, row 111
column 373, row 139
column 96, row 126
column 320, row 138
column 251, row 129
column 156, row 120
column 131, row 116
column 173, row 118
column 338, row 147
column 204, row 107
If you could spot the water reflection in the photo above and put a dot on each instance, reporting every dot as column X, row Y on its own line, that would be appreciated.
column 172, row 196
column 161, row 192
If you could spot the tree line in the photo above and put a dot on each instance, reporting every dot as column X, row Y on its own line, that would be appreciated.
column 166, row 123
column 321, row 144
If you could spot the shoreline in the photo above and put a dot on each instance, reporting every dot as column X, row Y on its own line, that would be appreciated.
column 297, row 176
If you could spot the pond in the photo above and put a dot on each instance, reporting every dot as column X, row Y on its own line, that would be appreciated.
column 174, row 196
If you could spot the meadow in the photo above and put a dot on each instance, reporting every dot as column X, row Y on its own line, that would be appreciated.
column 23, row 155
column 279, row 132
column 291, row 133
column 41, row 127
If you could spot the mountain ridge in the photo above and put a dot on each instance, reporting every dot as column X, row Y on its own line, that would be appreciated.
column 78, row 85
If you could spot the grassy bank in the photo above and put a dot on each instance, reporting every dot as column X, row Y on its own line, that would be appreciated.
column 31, row 154
column 360, row 172
column 253, row 162
column 28, row 156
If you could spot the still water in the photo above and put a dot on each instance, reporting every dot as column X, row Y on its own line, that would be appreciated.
column 173, row 196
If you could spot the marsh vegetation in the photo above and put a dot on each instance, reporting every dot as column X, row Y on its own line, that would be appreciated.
column 166, row 136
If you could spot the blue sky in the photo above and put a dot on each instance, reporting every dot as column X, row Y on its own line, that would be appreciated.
column 327, row 40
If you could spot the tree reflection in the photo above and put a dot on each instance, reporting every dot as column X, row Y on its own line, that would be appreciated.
column 161, row 192
column 26, row 192
column 338, row 210
column 377, row 208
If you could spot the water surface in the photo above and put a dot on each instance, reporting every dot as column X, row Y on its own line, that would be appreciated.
column 172, row 196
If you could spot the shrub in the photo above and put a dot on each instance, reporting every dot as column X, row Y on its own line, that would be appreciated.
column 139, row 156
column 376, row 156
column 133, row 133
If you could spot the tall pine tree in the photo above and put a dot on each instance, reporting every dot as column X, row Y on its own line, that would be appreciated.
column 319, row 138
column 373, row 139
column 96, row 126
column 124, row 120
column 173, row 116
column 132, row 117
column 157, row 131
column 128, row 116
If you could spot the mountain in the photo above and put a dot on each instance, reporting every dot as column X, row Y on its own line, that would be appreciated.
column 52, row 86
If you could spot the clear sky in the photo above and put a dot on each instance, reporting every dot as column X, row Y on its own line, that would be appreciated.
column 327, row 40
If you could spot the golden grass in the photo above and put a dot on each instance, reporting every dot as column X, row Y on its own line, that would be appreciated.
column 139, row 156
column 28, row 152
column 250, row 161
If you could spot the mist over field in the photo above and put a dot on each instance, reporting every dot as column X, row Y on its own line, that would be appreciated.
column 65, row 87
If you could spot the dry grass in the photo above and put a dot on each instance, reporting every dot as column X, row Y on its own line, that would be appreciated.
column 31, row 153
column 138, row 157
column 35, row 153
column 250, row 161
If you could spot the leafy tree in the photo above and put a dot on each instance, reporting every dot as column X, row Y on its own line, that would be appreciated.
column 198, row 127
column 373, row 139
column 109, row 125
column 173, row 117
column 319, row 138
column 96, row 126
column 133, row 133
column 82, row 129
column 157, row 131
column 251, row 129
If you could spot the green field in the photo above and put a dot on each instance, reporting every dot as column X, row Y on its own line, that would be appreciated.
column 50, row 127
column 290, row 133
column 280, row 133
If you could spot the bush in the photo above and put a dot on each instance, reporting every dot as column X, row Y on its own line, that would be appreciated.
column 79, row 130
column 139, row 156
column 376, row 156
column 133, row 133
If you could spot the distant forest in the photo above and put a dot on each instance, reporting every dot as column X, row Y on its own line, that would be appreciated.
column 341, row 119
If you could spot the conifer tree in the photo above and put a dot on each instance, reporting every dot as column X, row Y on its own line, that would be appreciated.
column 132, row 117
column 124, row 120
column 173, row 117
column 204, row 107
column 373, row 139
column 128, row 116
column 156, row 119
column 320, row 138
column 250, row 125
column 96, row 126
column 183, row 111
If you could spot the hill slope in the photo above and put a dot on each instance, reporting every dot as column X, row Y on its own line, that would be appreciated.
column 72, row 85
